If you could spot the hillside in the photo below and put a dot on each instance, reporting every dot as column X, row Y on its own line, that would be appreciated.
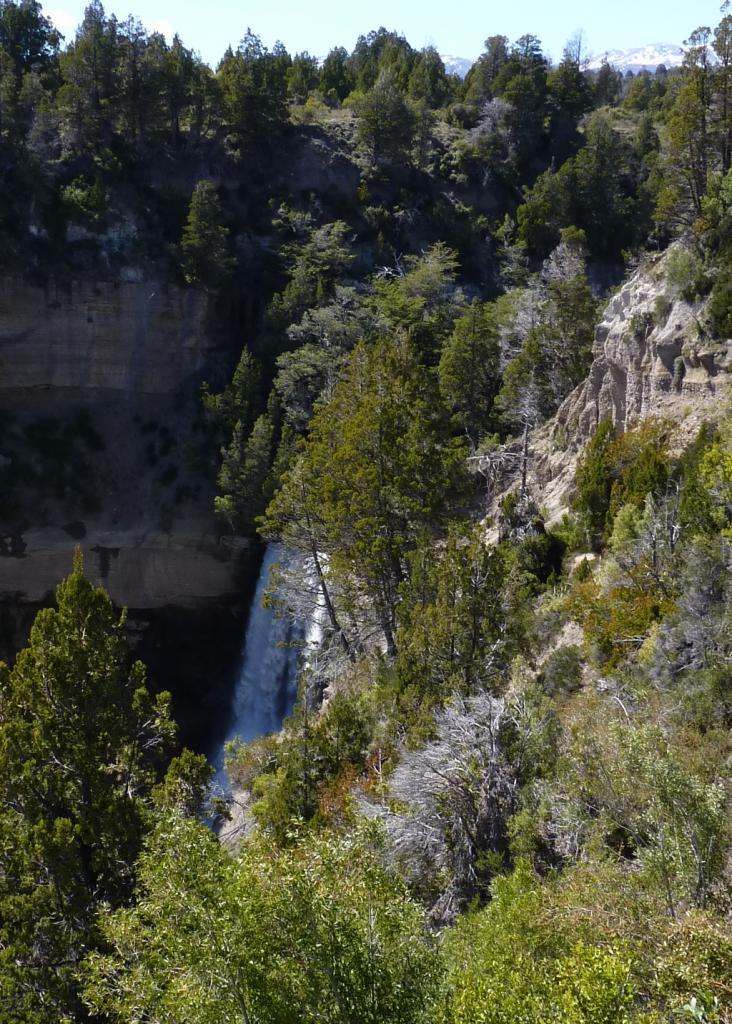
column 437, row 369
column 653, row 359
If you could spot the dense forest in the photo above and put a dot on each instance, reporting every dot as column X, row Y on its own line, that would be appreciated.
column 503, row 793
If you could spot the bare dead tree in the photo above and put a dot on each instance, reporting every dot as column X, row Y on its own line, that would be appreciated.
column 458, row 791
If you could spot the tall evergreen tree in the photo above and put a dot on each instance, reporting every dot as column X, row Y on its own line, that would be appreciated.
column 203, row 244
column 378, row 470
column 81, row 742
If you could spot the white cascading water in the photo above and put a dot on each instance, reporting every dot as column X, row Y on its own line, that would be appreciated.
column 266, row 685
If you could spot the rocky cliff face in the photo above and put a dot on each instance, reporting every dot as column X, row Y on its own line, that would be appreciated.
column 102, row 445
column 133, row 337
column 652, row 357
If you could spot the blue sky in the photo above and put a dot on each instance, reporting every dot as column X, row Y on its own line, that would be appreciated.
column 457, row 28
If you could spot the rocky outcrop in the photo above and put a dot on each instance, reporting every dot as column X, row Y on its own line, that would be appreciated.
column 141, row 570
column 132, row 337
column 652, row 357
column 103, row 446
column 102, row 443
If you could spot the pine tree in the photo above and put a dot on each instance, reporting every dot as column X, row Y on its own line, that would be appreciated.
column 386, row 121
column 244, row 471
column 469, row 370
column 378, row 470
column 80, row 744
column 203, row 244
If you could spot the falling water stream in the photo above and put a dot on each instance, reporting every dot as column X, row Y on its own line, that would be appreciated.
column 266, row 684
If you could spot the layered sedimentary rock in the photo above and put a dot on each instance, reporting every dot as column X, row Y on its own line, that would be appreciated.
column 102, row 443
column 132, row 337
column 103, row 446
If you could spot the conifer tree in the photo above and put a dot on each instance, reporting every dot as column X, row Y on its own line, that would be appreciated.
column 203, row 244
column 80, row 744
column 378, row 470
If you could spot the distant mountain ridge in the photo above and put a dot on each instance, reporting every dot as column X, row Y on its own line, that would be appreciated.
column 641, row 58
column 638, row 58
column 457, row 65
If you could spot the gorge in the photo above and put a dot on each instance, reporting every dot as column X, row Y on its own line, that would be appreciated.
column 365, row 531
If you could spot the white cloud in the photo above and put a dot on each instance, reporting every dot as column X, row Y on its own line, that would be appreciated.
column 163, row 26
column 64, row 21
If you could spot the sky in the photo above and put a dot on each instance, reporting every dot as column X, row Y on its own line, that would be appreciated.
column 456, row 28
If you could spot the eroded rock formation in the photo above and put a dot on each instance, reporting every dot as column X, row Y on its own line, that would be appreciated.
column 653, row 357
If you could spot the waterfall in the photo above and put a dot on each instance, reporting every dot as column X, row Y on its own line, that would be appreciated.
column 266, row 684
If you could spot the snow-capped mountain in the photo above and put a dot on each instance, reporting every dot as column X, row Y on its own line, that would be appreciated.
column 641, row 58
column 456, row 65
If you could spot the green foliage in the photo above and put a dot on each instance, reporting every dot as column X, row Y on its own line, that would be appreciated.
column 687, row 154
column 720, row 307
column 85, row 202
column 336, row 76
column 533, row 554
column 315, row 261
column 377, row 471
column 649, row 804
column 709, row 492
column 607, row 85
column 685, row 273
column 561, row 673
column 50, row 459
column 81, row 744
column 378, row 52
column 306, row 776
column 253, row 83
column 596, row 190
column 245, row 467
column 27, row 36
column 238, row 402
column 469, row 370
column 641, row 464
column 554, row 341
column 614, row 472
column 452, row 636
column 321, row 932
column 386, row 122
column 698, row 508
column 609, row 751
column 204, row 252
column 302, row 76
column 693, row 965
column 423, row 303
column 428, row 81
column 506, row 964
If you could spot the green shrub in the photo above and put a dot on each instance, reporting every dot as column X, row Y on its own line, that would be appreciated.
column 594, row 482
column 561, row 673
column 720, row 307
column 511, row 963
column 84, row 201
column 613, row 472
column 686, row 274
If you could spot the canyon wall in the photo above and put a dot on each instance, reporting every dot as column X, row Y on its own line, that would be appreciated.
column 107, row 377
column 103, row 445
